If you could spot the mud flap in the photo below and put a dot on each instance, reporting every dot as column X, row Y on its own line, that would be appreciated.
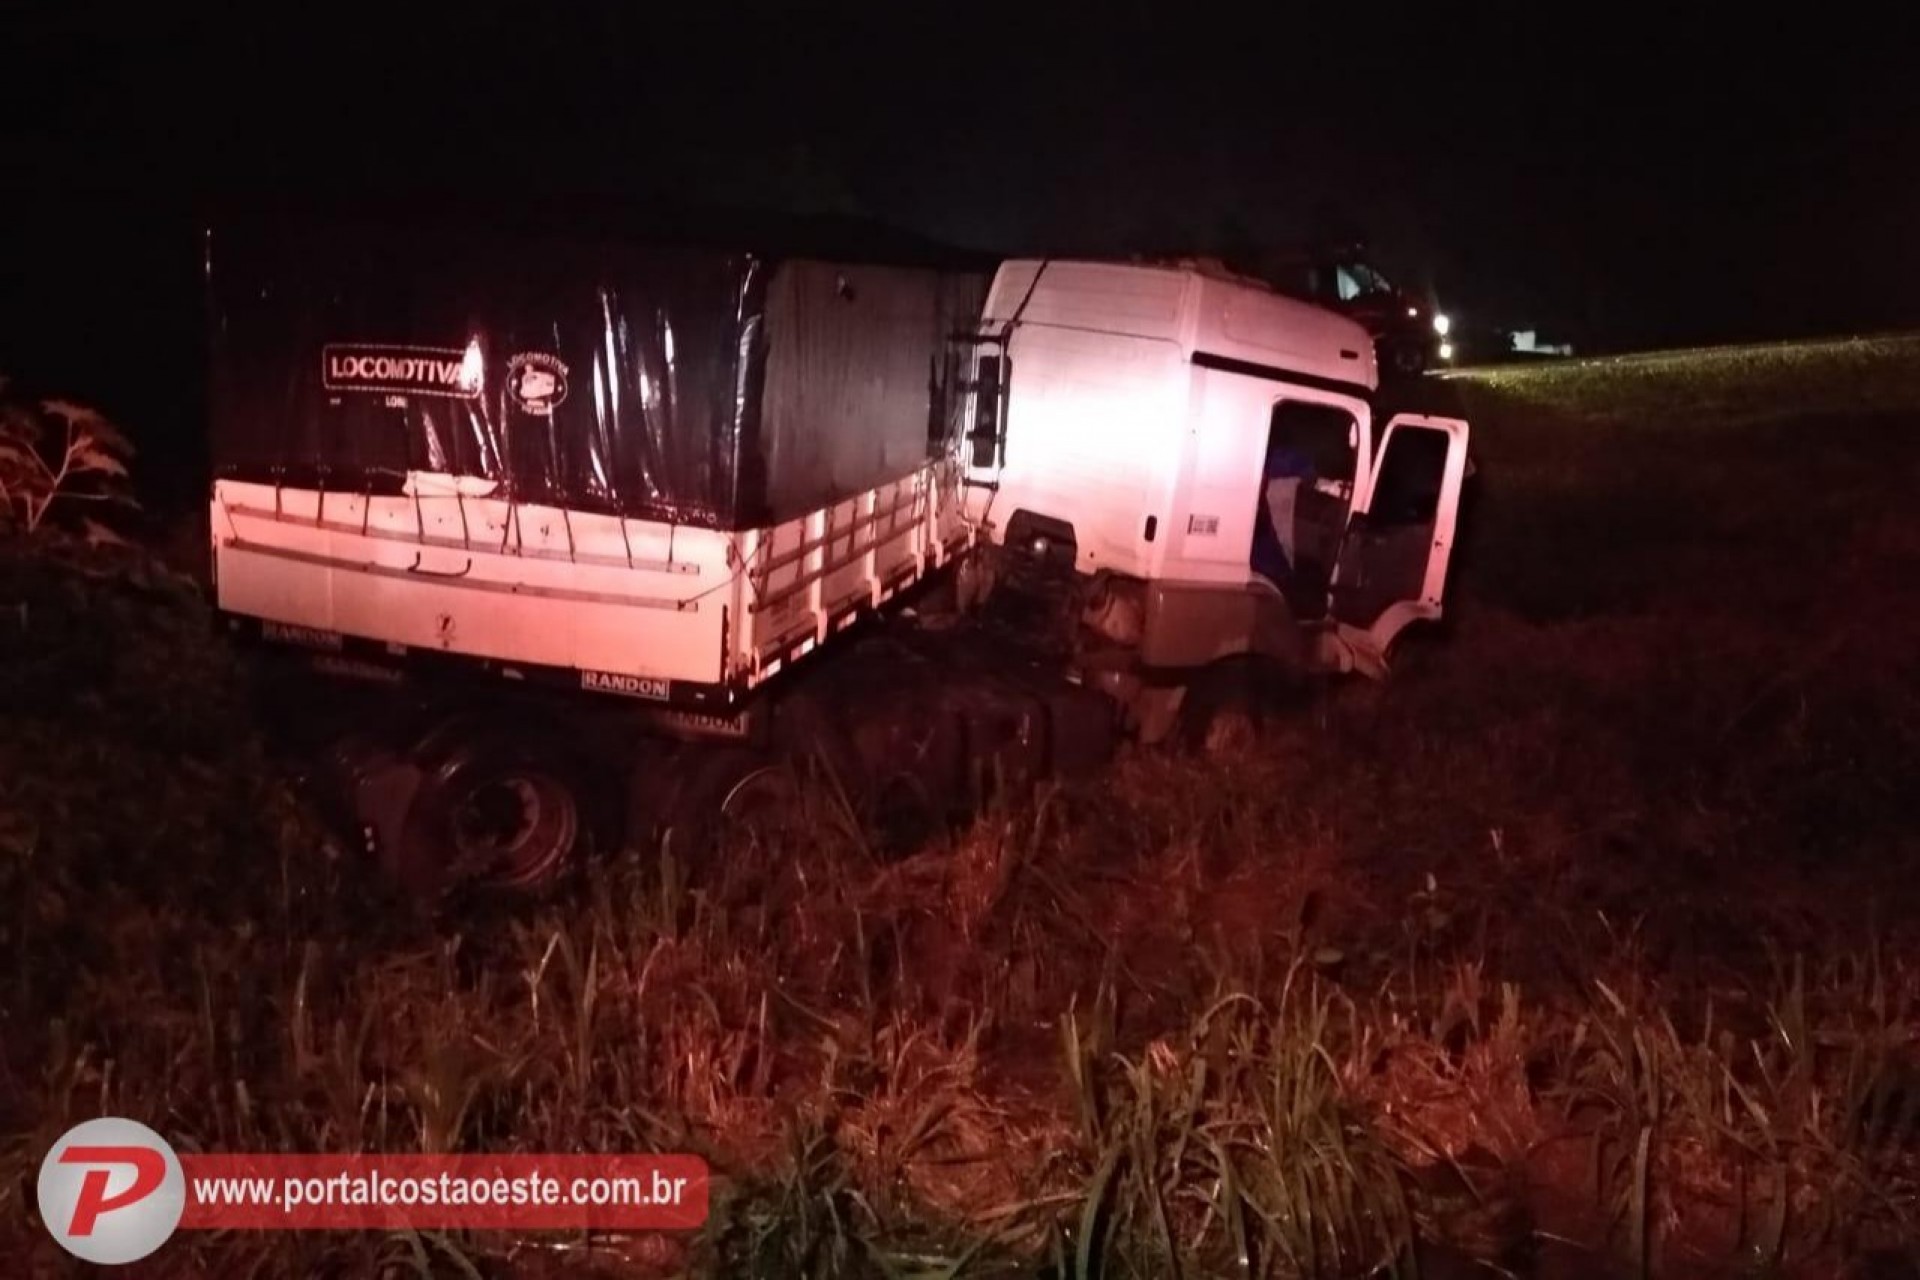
column 375, row 787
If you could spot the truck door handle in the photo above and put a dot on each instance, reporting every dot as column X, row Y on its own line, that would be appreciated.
column 417, row 567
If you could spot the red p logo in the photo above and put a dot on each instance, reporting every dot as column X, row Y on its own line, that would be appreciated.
column 149, row 1171
column 111, row 1191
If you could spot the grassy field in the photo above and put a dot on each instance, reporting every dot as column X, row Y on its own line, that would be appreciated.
column 1585, row 946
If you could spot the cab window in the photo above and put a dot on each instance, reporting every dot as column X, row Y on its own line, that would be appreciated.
column 1356, row 280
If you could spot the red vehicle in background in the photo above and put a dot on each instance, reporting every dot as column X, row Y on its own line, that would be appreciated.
column 1410, row 333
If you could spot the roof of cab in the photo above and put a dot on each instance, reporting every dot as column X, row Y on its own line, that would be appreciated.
column 1217, row 319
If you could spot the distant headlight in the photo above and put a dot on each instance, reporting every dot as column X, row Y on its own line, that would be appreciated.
column 1441, row 323
column 1446, row 351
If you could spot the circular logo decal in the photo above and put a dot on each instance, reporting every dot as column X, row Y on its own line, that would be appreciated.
column 537, row 381
column 111, row 1191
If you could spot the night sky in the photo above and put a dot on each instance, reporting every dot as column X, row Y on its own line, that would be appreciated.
column 1625, row 179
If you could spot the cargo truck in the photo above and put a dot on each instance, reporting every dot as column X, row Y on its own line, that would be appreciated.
column 572, row 542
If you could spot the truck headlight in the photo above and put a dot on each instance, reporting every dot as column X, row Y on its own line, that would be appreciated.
column 1441, row 323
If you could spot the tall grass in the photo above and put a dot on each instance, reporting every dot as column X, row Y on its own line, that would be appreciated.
column 1587, row 937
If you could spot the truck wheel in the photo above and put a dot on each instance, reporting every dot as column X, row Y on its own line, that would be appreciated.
column 905, row 815
column 726, row 795
column 1220, row 714
column 496, row 815
column 1227, row 704
column 1408, row 359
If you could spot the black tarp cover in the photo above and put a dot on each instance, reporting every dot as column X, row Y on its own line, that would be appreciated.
column 693, row 384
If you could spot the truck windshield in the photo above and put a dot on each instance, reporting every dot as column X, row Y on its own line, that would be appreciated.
column 1357, row 279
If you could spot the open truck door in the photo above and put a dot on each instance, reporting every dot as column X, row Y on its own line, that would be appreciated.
column 1392, row 568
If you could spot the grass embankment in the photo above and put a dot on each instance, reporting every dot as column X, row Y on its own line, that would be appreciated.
column 1584, row 946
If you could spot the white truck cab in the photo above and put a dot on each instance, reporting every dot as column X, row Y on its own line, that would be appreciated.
column 1205, row 449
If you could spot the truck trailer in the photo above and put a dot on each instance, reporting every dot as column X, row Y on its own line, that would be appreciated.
column 580, row 541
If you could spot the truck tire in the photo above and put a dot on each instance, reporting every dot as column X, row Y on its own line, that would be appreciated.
column 1227, row 705
column 494, row 812
column 724, row 794
column 1220, row 712
column 1406, row 359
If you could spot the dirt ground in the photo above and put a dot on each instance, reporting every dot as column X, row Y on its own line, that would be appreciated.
column 1583, row 946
